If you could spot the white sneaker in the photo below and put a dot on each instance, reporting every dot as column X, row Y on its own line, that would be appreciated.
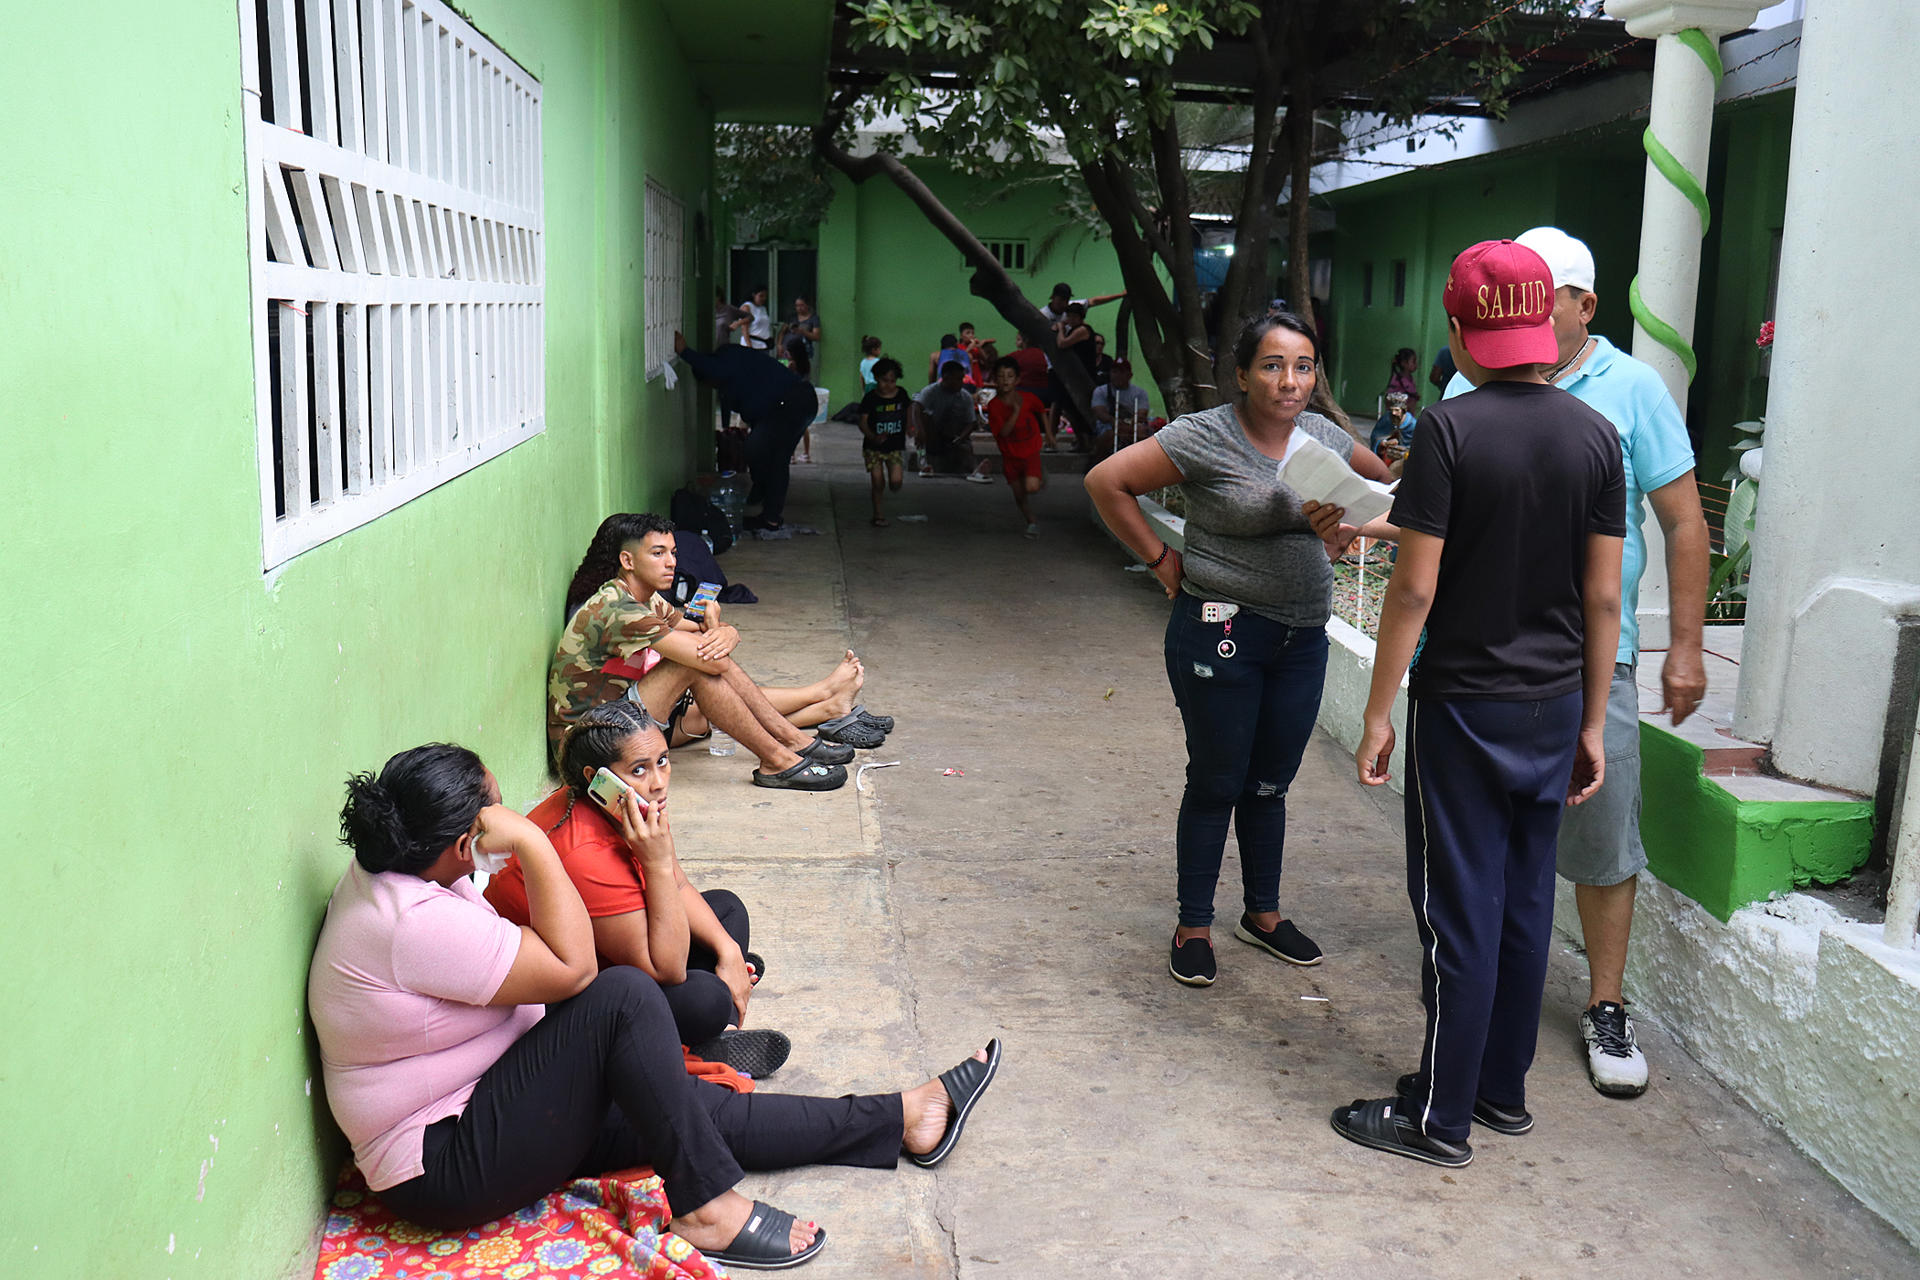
column 1614, row 1061
column 974, row 477
column 1033, row 531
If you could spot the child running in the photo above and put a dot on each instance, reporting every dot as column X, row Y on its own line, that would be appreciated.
column 1017, row 420
column 883, row 427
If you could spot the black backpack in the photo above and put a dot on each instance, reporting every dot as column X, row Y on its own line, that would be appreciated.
column 695, row 565
column 692, row 512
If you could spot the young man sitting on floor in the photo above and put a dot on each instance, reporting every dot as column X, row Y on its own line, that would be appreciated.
column 602, row 656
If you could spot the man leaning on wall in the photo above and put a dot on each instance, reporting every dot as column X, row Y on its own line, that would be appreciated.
column 1600, row 850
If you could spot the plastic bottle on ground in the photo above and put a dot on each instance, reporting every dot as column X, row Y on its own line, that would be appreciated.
column 720, row 744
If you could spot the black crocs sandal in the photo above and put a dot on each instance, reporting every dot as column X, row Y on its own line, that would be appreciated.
column 826, row 751
column 808, row 775
column 1512, row 1121
column 756, row 1052
column 851, row 730
column 964, row 1085
column 883, row 723
column 1382, row 1125
column 766, row 1242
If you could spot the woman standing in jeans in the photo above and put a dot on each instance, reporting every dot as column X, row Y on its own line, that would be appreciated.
column 1247, row 643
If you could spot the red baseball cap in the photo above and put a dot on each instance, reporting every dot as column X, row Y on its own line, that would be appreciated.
column 1502, row 295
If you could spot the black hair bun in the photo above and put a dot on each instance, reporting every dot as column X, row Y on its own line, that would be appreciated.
column 371, row 824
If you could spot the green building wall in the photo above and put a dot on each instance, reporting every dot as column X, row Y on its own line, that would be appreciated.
column 1590, row 184
column 177, row 724
column 884, row 270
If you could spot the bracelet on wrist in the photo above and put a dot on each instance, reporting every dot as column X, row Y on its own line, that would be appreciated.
column 1166, row 548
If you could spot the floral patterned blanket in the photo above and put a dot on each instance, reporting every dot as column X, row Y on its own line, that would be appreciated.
column 591, row 1229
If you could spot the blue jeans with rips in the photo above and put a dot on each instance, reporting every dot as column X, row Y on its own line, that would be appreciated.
column 1248, row 717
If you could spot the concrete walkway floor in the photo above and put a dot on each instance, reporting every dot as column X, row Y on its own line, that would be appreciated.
column 1140, row 1128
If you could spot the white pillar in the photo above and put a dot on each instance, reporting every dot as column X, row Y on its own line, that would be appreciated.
column 1674, row 216
column 1836, row 556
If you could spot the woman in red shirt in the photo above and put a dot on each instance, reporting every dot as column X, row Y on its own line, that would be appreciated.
column 645, row 912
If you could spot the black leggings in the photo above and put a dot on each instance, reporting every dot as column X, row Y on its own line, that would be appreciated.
column 599, row 1084
column 703, row 1004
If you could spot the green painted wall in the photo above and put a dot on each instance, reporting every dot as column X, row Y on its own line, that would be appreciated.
column 884, row 270
column 1725, row 852
column 1590, row 185
column 178, row 725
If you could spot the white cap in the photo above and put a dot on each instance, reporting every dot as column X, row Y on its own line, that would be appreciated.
column 1570, row 261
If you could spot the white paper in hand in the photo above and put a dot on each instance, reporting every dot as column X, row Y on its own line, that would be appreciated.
column 1316, row 473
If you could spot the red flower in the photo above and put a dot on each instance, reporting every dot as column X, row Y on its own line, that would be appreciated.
column 1765, row 339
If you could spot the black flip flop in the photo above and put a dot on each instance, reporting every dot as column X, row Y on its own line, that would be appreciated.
column 755, row 1052
column 1380, row 1124
column 883, row 723
column 1512, row 1121
column 759, row 968
column 964, row 1085
column 808, row 775
column 851, row 731
column 766, row 1242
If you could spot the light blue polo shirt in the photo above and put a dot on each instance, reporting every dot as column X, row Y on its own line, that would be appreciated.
column 1653, row 444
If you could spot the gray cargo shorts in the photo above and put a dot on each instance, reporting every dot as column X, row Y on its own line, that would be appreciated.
column 1600, row 840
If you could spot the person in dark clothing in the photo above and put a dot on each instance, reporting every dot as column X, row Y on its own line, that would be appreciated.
column 777, row 403
column 1505, row 600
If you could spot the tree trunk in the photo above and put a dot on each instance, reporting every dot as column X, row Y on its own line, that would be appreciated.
column 1300, row 104
column 989, row 281
column 1244, row 293
column 1155, row 321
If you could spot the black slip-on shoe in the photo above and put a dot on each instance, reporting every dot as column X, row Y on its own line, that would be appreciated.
column 1282, row 940
column 851, row 731
column 1191, row 962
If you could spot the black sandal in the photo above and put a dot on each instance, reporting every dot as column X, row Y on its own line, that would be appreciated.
column 852, row 731
column 759, row 967
column 680, row 709
column 823, row 750
column 766, row 1242
column 1382, row 1125
column 964, row 1085
column 883, row 723
column 1512, row 1121
column 807, row 775
column 756, row 1053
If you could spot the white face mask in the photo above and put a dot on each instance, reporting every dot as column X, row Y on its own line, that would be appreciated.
column 489, row 861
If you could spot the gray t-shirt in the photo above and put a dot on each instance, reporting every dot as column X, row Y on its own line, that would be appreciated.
column 1248, row 542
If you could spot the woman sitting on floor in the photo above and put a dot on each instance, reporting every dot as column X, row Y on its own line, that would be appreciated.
column 693, row 944
column 476, row 1065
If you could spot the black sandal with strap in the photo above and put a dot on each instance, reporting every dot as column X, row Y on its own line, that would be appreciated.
column 964, row 1085
column 1382, row 1125
column 765, row 1243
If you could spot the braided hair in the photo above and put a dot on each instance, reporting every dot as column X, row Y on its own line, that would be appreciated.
column 423, row 801
column 595, row 741
column 602, row 561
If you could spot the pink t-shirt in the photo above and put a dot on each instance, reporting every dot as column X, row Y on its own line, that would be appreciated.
column 398, row 990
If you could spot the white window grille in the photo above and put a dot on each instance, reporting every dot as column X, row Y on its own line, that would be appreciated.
column 396, row 225
column 666, row 285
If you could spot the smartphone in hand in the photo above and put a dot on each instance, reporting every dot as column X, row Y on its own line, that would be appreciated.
column 702, row 596
column 606, row 787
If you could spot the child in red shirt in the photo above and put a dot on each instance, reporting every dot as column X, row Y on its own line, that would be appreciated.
column 1017, row 420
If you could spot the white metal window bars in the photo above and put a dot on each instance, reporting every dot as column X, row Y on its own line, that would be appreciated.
column 666, row 302
column 396, row 229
